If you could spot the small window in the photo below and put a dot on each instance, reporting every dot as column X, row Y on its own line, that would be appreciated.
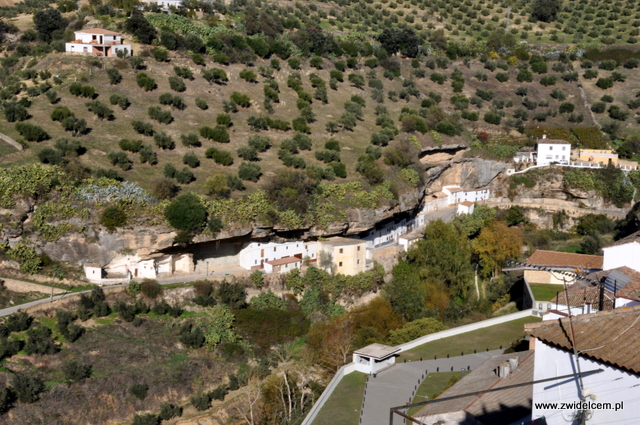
column 340, row 264
column 341, row 250
column 357, row 261
column 564, row 148
column 358, row 248
column 274, row 249
column 550, row 148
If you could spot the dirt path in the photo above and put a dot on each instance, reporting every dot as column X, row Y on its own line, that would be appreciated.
column 21, row 286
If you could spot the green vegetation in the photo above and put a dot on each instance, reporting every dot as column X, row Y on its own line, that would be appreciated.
column 432, row 386
column 492, row 338
column 343, row 406
column 544, row 292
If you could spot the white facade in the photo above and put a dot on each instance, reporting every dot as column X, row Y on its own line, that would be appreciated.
column 611, row 386
column 93, row 272
column 255, row 254
column 374, row 358
column 622, row 255
column 457, row 195
column 97, row 42
column 551, row 152
column 391, row 232
column 465, row 207
column 165, row 3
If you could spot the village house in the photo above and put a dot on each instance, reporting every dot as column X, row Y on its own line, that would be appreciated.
column 604, row 340
column 552, row 151
column 598, row 156
column 457, row 195
column 136, row 267
column 282, row 265
column 466, row 207
column 506, row 407
column 98, row 42
column 255, row 254
column 559, row 262
column 625, row 252
column 341, row 255
column 165, row 4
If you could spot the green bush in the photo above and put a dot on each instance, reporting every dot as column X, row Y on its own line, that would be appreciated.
column 113, row 216
column 146, row 419
column 145, row 82
column 31, row 133
column 139, row 390
column 173, row 100
column 566, row 108
column 177, row 84
column 156, row 113
column 120, row 100
column 240, row 99
column 186, row 212
column 218, row 134
column 101, row 110
column 150, row 288
column 120, row 159
column 191, row 159
column 201, row 401
column 169, row 411
column 415, row 329
column 164, row 141
column 202, row 104
column 492, row 118
column 131, row 145
column 249, row 171
column 40, row 341
column 80, row 90
column 18, row 321
column 605, row 83
column 143, row 128
column 219, row 156
column 215, row 75
column 27, row 388
column 74, row 371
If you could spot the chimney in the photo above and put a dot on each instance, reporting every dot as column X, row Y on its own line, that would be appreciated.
column 513, row 363
column 544, row 136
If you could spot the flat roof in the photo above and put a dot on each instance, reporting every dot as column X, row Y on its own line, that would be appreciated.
column 97, row 31
column 377, row 351
column 339, row 240
column 285, row 260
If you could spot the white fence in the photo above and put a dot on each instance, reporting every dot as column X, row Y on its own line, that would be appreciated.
column 351, row 367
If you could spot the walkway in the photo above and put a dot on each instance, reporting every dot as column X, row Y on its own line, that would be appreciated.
column 395, row 386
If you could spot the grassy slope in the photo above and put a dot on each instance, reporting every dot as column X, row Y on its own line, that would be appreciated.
column 492, row 338
column 432, row 386
column 343, row 407
column 544, row 292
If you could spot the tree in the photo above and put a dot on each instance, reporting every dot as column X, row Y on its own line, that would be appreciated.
column 546, row 10
column 495, row 244
column 46, row 22
column 415, row 329
column 404, row 41
column 113, row 216
column 405, row 292
column 140, row 27
column 75, row 371
column 186, row 212
column 26, row 387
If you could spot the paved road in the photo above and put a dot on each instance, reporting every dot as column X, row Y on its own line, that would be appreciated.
column 395, row 386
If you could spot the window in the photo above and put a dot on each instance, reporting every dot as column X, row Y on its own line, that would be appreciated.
column 357, row 261
column 274, row 249
column 358, row 248
column 341, row 250
column 340, row 264
column 85, row 49
column 564, row 148
column 550, row 148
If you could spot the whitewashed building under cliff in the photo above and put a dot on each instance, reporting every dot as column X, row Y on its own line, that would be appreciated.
column 126, row 267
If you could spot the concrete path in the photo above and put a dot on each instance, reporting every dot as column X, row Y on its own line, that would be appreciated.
column 396, row 385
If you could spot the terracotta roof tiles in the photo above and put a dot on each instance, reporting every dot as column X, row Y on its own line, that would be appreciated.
column 564, row 259
column 606, row 336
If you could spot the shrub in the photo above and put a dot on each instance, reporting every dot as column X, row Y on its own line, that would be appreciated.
column 202, row 104
column 240, row 99
column 436, row 77
column 120, row 100
column 605, row 83
column 190, row 140
column 131, row 145
column 172, row 100
column 80, row 90
column 524, row 75
column 150, row 288
column 590, row 74
column 51, row 156
column 247, row 153
column 156, row 113
column 248, row 75
column 502, row 77
column 219, row 156
column 224, row 120
column 218, row 133
column 599, row 107
column 113, row 217
column 74, row 371
column 101, row 110
column 164, row 141
column 169, row 411
column 40, row 341
column 59, row 113
column 27, row 388
column 249, row 171
column 146, row 419
column 14, row 111
column 191, row 159
column 566, row 108
column 186, row 212
column 184, row 176
column 177, row 84
column 18, row 321
column 139, row 390
column 114, row 76
column 549, row 80
column 120, row 159
column 492, row 118
column 143, row 128
column 215, row 75
column 31, row 133
column 201, row 401
column 259, row 143
column 145, row 82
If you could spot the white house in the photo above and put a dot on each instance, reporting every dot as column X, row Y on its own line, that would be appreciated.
column 283, row 265
column 165, row 3
column 465, row 207
column 390, row 232
column 605, row 340
column 374, row 358
column 255, row 254
column 625, row 252
column 457, row 195
column 553, row 151
column 98, row 42
column 136, row 267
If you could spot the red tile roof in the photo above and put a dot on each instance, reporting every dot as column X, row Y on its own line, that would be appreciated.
column 564, row 259
column 466, row 203
column 281, row 261
column 634, row 237
column 609, row 337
